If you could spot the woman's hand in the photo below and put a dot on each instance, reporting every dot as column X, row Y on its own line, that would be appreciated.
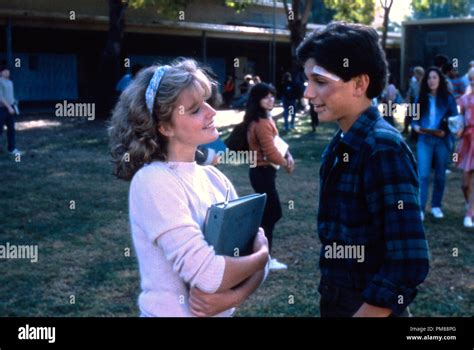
column 239, row 269
column 290, row 163
column 206, row 305
column 260, row 243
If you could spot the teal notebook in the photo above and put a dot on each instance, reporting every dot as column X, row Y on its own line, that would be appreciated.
column 230, row 227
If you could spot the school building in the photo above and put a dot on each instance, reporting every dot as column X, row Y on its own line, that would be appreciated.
column 55, row 46
column 424, row 39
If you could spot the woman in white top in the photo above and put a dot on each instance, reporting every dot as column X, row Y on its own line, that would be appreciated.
column 155, row 129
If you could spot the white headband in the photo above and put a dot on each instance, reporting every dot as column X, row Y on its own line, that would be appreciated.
column 321, row 71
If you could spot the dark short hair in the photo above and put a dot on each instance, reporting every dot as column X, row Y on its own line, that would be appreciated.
column 440, row 60
column 355, row 44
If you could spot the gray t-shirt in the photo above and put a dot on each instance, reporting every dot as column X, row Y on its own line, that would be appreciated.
column 6, row 91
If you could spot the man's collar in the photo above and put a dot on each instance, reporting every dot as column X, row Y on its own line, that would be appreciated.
column 357, row 133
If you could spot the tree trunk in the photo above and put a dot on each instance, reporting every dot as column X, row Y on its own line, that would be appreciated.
column 297, row 27
column 109, row 73
column 387, row 5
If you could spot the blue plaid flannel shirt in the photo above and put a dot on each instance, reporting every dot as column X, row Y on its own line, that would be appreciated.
column 369, row 196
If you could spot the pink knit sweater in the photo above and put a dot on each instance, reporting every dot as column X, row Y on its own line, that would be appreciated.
column 168, row 204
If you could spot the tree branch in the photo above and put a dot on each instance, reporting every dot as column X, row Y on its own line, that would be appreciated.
column 307, row 10
column 296, row 9
column 384, row 4
column 287, row 10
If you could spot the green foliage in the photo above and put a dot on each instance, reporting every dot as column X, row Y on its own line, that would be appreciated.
column 440, row 8
column 357, row 11
column 238, row 6
column 167, row 8
column 320, row 13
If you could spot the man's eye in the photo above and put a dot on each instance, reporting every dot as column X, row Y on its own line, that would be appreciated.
column 320, row 82
column 196, row 111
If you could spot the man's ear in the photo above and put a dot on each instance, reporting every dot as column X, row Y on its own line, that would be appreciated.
column 361, row 84
column 165, row 130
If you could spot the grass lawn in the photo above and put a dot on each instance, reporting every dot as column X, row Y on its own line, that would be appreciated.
column 84, row 266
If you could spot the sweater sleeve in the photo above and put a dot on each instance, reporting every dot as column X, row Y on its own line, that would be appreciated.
column 266, row 138
column 161, row 207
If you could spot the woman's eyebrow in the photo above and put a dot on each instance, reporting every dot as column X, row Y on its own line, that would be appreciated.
column 194, row 105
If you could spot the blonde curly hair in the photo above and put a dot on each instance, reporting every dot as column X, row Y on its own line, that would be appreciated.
column 134, row 136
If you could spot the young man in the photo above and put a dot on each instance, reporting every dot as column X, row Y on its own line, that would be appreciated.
column 7, row 112
column 374, row 250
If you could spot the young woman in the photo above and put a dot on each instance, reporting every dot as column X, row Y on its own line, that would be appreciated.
column 466, row 149
column 434, row 145
column 155, row 129
column 261, row 133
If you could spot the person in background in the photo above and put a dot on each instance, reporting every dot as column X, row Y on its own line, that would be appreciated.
column 7, row 109
column 434, row 142
column 229, row 90
column 465, row 149
column 412, row 94
column 126, row 80
column 390, row 95
column 261, row 134
column 459, row 88
column 244, row 89
column 289, row 96
column 206, row 156
column 441, row 62
column 314, row 117
column 246, row 84
column 465, row 77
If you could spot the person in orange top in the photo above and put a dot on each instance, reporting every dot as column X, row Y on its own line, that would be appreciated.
column 261, row 133
column 229, row 90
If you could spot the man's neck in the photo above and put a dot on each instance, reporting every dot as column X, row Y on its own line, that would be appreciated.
column 345, row 123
